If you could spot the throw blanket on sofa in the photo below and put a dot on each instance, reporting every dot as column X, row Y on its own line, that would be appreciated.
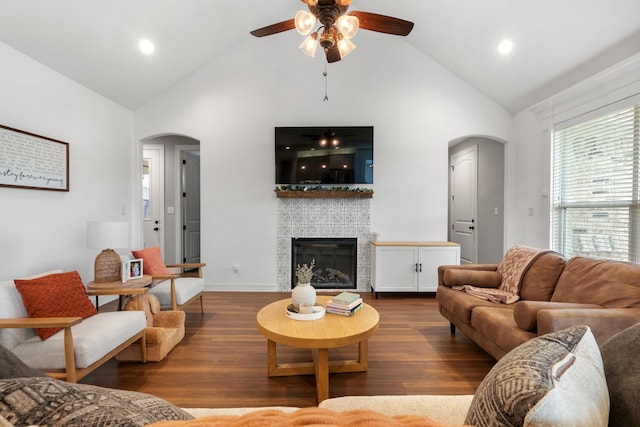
column 512, row 268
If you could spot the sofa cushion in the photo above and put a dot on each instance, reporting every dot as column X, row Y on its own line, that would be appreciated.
column 622, row 369
column 186, row 289
column 115, row 327
column 152, row 262
column 307, row 417
column 12, row 367
column 607, row 283
column 497, row 326
column 540, row 279
column 553, row 380
column 525, row 313
column 55, row 295
column 461, row 304
column 46, row 401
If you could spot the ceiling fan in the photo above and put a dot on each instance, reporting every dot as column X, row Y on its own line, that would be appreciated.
column 337, row 27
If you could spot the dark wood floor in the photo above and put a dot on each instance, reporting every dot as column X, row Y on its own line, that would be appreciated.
column 222, row 360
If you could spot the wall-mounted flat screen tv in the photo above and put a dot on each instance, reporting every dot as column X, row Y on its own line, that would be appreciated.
column 324, row 155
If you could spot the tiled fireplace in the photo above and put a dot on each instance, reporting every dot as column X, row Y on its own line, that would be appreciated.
column 324, row 218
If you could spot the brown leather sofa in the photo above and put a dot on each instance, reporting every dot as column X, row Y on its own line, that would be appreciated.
column 554, row 294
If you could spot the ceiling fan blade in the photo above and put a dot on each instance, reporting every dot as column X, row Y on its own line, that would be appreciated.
column 383, row 23
column 333, row 54
column 287, row 25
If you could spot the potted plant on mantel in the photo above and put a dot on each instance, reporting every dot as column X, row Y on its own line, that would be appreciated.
column 304, row 293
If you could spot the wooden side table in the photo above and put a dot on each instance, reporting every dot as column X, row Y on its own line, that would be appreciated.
column 130, row 287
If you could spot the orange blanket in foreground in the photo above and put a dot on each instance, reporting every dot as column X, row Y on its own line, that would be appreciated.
column 317, row 417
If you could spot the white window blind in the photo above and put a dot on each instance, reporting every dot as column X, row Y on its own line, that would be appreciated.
column 595, row 204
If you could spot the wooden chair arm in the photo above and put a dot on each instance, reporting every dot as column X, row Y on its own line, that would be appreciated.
column 192, row 265
column 40, row 322
column 51, row 322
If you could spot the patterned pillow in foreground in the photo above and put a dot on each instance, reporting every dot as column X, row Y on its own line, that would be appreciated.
column 553, row 380
column 50, row 402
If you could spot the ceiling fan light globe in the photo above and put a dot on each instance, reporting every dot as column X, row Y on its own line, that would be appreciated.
column 345, row 46
column 304, row 22
column 348, row 25
column 310, row 45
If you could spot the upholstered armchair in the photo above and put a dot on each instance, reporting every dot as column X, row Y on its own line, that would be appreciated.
column 174, row 285
column 164, row 329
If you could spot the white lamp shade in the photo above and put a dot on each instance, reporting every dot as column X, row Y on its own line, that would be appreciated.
column 304, row 22
column 107, row 234
column 310, row 44
column 348, row 25
column 345, row 46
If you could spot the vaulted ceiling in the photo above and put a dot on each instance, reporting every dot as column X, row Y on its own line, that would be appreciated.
column 94, row 42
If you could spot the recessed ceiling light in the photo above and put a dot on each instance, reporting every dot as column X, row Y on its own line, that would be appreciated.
column 146, row 46
column 505, row 47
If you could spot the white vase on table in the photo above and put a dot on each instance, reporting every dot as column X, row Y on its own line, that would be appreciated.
column 303, row 293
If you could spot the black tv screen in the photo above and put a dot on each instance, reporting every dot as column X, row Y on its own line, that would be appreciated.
column 324, row 155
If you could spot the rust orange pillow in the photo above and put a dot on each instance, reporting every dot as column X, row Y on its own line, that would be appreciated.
column 152, row 263
column 55, row 295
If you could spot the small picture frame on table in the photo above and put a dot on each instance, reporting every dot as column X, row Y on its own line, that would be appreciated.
column 131, row 269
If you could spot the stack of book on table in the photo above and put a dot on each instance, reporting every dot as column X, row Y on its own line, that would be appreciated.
column 344, row 304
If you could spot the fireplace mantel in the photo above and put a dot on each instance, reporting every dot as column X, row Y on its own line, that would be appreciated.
column 322, row 194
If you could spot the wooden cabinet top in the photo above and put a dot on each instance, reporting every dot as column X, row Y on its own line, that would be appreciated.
column 434, row 244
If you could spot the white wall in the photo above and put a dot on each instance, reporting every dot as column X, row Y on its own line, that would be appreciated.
column 529, row 160
column 232, row 105
column 39, row 229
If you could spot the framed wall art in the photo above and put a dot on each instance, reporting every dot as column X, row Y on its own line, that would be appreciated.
column 33, row 161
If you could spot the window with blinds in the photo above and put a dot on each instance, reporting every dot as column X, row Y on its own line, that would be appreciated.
column 595, row 203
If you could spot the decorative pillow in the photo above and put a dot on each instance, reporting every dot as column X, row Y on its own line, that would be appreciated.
column 12, row 367
column 553, row 380
column 306, row 417
column 55, row 295
column 46, row 401
column 152, row 261
column 622, row 369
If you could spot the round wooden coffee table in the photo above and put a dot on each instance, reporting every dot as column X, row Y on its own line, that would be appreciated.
column 331, row 331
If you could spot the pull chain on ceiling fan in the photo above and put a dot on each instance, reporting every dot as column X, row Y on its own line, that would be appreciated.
column 337, row 27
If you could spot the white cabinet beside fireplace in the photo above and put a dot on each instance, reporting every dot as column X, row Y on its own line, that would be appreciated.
column 410, row 266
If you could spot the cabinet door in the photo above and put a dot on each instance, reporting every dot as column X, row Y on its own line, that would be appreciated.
column 430, row 258
column 395, row 268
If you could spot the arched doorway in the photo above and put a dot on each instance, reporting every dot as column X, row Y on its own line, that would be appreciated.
column 171, row 196
column 476, row 198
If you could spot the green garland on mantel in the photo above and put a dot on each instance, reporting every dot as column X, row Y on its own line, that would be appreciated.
column 321, row 188
column 304, row 191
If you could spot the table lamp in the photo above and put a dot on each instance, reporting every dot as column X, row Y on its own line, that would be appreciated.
column 107, row 234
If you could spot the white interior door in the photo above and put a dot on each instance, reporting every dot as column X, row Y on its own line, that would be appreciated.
column 153, row 196
column 463, row 203
column 190, row 170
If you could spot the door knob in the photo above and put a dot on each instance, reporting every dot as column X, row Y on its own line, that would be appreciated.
column 156, row 229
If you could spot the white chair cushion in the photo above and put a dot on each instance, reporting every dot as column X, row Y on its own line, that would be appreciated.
column 93, row 338
column 186, row 288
